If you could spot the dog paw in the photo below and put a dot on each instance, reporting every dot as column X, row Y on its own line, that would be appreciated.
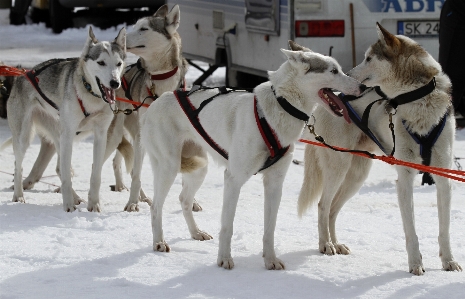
column 118, row 187
column 328, row 248
column 226, row 263
column 28, row 185
column 69, row 208
column 161, row 247
column 18, row 199
column 342, row 249
column 196, row 207
column 131, row 207
column 417, row 270
column 452, row 266
column 201, row 236
column 147, row 200
column 274, row 264
column 93, row 207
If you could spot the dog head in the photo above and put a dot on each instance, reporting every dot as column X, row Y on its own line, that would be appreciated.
column 154, row 34
column 395, row 60
column 316, row 76
column 104, row 64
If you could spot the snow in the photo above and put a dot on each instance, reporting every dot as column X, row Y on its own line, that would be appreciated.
column 47, row 253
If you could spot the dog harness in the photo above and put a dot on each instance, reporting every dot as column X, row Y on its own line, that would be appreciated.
column 277, row 151
column 136, row 68
column 32, row 76
column 425, row 142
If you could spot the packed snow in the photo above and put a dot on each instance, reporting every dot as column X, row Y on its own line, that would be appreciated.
column 47, row 253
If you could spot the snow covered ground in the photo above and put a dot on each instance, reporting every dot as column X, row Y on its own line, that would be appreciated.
column 47, row 253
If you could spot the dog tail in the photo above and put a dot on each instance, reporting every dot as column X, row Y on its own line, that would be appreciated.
column 125, row 148
column 6, row 144
column 313, row 181
column 192, row 163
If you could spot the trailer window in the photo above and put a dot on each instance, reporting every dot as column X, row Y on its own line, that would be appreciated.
column 262, row 16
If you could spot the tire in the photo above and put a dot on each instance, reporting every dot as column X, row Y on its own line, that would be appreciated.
column 60, row 16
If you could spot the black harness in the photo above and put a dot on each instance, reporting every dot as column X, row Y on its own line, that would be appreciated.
column 33, row 74
column 425, row 142
column 277, row 151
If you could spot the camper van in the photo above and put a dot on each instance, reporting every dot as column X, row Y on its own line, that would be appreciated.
column 245, row 35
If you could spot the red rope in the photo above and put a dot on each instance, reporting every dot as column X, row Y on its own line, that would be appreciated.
column 131, row 102
column 448, row 173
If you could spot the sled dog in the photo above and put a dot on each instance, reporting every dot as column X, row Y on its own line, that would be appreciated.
column 229, row 127
column 61, row 97
column 398, row 66
column 160, row 68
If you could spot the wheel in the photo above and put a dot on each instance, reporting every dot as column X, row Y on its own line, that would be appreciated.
column 60, row 16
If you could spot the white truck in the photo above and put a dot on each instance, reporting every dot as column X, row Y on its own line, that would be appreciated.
column 246, row 35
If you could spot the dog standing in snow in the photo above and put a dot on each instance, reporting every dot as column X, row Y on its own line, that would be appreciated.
column 180, row 128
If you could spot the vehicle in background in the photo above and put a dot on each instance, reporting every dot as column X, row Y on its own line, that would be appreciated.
column 59, row 14
column 246, row 35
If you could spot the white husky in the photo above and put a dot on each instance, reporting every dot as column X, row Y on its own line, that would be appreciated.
column 397, row 65
column 230, row 122
column 60, row 98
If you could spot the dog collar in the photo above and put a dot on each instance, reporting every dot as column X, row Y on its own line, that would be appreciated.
column 290, row 109
column 164, row 76
column 410, row 96
column 89, row 87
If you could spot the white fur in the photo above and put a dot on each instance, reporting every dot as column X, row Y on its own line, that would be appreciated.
column 338, row 176
column 27, row 110
column 168, row 136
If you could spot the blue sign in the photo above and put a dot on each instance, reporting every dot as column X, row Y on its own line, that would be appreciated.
column 404, row 5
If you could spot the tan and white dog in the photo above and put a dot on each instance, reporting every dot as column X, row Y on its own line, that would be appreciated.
column 397, row 65
column 171, row 141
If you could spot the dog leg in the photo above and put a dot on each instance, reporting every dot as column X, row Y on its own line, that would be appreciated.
column 77, row 199
column 65, row 148
column 273, row 179
column 232, row 188
column 47, row 150
column 333, row 178
column 132, row 204
column 163, row 178
column 100, row 139
column 119, row 184
column 353, row 181
column 444, row 201
column 21, row 141
column 191, row 182
column 405, row 197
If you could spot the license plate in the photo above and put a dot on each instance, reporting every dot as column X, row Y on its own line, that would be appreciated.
column 418, row 28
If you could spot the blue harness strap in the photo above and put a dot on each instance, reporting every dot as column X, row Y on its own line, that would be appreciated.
column 426, row 143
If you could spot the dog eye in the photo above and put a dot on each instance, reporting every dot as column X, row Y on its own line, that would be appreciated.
column 334, row 71
column 102, row 63
column 119, row 63
column 143, row 29
column 368, row 59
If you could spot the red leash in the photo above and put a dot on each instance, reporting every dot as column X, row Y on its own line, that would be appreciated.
column 448, row 173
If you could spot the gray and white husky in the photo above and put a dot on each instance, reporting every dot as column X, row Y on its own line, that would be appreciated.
column 231, row 121
column 60, row 98
column 397, row 65
column 156, row 41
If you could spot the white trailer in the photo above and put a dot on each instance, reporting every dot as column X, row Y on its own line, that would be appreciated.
column 246, row 35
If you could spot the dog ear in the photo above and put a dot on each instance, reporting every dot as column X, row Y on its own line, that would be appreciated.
column 121, row 39
column 296, row 47
column 162, row 11
column 172, row 19
column 91, row 40
column 293, row 57
column 387, row 38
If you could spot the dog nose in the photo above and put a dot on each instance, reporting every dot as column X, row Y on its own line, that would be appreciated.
column 363, row 87
column 114, row 84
